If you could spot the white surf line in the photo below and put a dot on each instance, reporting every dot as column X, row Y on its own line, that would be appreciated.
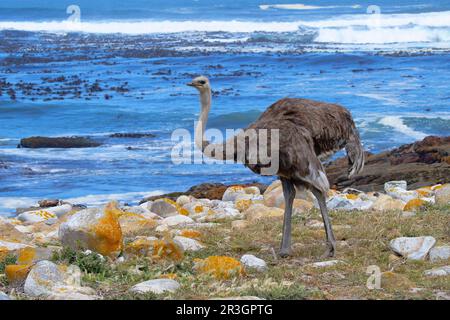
column 397, row 124
column 300, row 6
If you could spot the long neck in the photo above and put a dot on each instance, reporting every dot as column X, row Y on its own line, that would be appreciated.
column 216, row 150
column 205, row 102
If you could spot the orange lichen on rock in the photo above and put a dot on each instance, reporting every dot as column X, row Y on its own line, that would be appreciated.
column 141, row 246
column 243, row 204
column 17, row 273
column 108, row 234
column 167, row 248
column 221, row 267
column 351, row 196
column 414, row 204
column 189, row 233
column 3, row 253
column 26, row 255
column 132, row 223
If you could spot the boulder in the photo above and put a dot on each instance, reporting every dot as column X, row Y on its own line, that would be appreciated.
column 164, row 207
column 231, row 193
column 50, row 281
column 413, row 248
column 36, row 216
column 440, row 253
column 59, row 142
column 442, row 195
column 97, row 229
column 251, row 262
column 259, row 211
column 156, row 286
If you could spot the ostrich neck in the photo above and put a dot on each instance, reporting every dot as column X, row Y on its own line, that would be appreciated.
column 205, row 101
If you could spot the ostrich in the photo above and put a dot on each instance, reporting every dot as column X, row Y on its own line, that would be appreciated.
column 309, row 131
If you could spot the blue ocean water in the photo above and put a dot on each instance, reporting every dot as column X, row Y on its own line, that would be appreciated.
column 122, row 67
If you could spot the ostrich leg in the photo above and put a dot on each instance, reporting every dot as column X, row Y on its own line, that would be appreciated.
column 289, row 195
column 331, row 242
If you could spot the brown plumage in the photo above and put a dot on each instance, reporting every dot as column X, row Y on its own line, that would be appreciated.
column 309, row 131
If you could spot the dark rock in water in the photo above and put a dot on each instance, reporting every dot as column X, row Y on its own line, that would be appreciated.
column 421, row 163
column 59, row 142
column 210, row 191
column 3, row 165
column 132, row 135
column 47, row 203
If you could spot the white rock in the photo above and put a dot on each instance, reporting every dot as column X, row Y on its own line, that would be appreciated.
column 156, row 286
column 232, row 193
column 80, row 231
column 338, row 202
column 182, row 200
column 314, row 224
column 41, row 279
column 440, row 253
column 188, row 244
column 12, row 246
column 146, row 205
column 322, row 264
column 397, row 190
column 44, row 214
column 24, row 229
column 252, row 262
column 4, row 296
column 438, row 272
column 47, row 280
column 414, row 248
column 252, row 190
column 176, row 220
column 402, row 184
column 442, row 195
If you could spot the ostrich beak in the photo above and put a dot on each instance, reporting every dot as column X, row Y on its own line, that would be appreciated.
column 190, row 84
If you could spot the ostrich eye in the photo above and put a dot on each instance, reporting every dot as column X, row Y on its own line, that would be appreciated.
column 202, row 82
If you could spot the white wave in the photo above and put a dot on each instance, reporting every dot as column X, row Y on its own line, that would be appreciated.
column 100, row 199
column 300, row 6
column 16, row 202
column 383, row 35
column 150, row 27
column 397, row 124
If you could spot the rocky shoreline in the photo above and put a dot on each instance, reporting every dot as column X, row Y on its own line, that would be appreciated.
column 204, row 242
column 42, row 250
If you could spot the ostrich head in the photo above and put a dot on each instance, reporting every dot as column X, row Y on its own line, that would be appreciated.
column 201, row 83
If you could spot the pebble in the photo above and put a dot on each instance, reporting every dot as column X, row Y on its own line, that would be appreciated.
column 188, row 244
column 156, row 286
column 251, row 262
column 438, row 272
column 323, row 264
column 176, row 220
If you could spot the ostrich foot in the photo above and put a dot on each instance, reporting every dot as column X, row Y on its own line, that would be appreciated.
column 330, row 251
column 285, row 253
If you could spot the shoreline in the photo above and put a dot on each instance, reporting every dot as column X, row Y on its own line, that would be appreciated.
column 407, row 162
